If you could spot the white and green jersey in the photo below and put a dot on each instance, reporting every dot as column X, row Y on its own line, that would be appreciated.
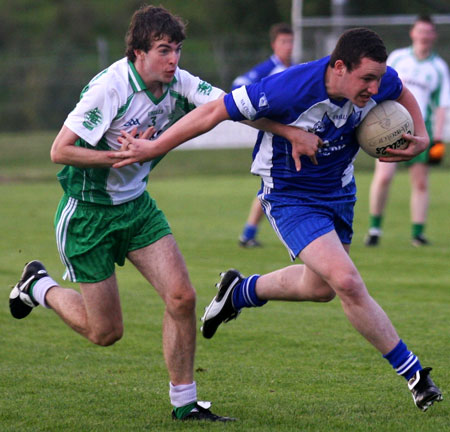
column 427, row 79
column 117, row 99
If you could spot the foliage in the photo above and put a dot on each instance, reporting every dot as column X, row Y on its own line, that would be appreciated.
column 51, row 49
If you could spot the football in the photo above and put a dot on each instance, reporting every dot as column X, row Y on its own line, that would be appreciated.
column 383, row 127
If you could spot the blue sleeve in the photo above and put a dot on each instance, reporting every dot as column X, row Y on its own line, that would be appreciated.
column 255, row 74
column 232, row 109
column 390, row 87
column 281, row 97
column 250, row 102
column 284, row 96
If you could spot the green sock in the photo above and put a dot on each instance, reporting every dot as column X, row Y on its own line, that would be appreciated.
column 417, row 229
column 375, row 221
column 30, row 291
column 183, row 411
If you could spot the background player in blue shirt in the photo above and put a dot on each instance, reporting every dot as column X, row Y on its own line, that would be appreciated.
column 282, row 43
column 309, row 200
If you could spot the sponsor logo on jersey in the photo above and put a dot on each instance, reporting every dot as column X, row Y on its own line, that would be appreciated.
column 411, row 82
column 340, row 116
column 92, row 118
column 204, row 88
column 244, row 109
column 155, row 112
column 335, row 138
column 132, row 122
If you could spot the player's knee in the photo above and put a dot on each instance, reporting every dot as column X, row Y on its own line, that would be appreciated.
column 350, row 286
column 181, row 302
column 326, row 295
column 106, row 337
column 384, row 181
column 421, row 185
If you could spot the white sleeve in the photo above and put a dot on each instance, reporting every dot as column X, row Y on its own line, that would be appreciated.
column 244, row 103
column 444, row 93
column 392, row 57
column 197, row 91
column 95, row 111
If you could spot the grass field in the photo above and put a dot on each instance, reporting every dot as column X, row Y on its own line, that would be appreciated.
column 283, row 367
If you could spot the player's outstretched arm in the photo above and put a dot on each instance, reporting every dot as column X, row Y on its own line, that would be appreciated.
column 197, row 122
column 417, row 142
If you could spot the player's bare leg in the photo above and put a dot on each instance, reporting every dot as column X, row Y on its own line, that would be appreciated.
column 329, row 258
column 163, row 266
column 328, row 270
column 247, row 238
column 95, row 313
column 294, row 283
column 379, row 188
column 378, row 197
column 418, row 173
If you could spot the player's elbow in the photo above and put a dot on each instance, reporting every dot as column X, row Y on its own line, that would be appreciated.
column 55, row 157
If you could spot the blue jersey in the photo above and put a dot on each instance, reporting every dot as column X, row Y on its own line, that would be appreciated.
column 271, row 66
column 298, row 97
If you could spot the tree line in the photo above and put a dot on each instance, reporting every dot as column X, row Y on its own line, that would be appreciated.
column 51, row 48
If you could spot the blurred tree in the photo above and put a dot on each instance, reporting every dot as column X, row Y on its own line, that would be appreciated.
column 49, row 47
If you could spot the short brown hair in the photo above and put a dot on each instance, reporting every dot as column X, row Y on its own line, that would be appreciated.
column 279, row 28
column 356, row 44
column 150, row 23
column 425, row 19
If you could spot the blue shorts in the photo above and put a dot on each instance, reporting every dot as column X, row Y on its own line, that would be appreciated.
column 300, row 217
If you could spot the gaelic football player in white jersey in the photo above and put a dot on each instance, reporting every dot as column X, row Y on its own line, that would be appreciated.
column 427, row 76
column 106, row 214
column 310, row 202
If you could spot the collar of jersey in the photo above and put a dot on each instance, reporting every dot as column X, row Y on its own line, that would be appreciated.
column 137, row 84
column 430, row 57
column 276, row 60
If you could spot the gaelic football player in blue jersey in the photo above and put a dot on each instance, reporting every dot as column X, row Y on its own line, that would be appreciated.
column 308, row 190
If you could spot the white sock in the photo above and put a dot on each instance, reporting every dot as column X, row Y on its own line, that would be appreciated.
column 183, row 394
column 40, row 289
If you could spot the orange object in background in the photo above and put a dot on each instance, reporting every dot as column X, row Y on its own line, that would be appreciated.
column 436, row 153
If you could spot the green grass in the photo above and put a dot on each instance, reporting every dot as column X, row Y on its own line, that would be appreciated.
column 284, row 367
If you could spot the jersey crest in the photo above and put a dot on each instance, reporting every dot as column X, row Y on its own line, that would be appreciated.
column 334, row 137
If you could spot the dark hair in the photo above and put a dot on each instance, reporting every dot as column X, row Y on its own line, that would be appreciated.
column 425, row 19
column 277, row 29
column 356, row 44
column 151, row 23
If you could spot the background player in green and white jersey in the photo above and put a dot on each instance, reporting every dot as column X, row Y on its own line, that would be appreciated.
column 427, row 76
column 106, row 214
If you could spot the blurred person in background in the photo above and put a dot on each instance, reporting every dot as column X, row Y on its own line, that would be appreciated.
column 282, row 42
column 426, row 75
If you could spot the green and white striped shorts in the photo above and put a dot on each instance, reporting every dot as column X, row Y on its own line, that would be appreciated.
column 91, row 238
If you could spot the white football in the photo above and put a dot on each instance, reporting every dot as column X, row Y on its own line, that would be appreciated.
column 383, row 127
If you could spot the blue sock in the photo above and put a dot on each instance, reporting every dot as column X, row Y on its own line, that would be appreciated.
column 244, row 294
column 403, row 361
column 249, row 232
